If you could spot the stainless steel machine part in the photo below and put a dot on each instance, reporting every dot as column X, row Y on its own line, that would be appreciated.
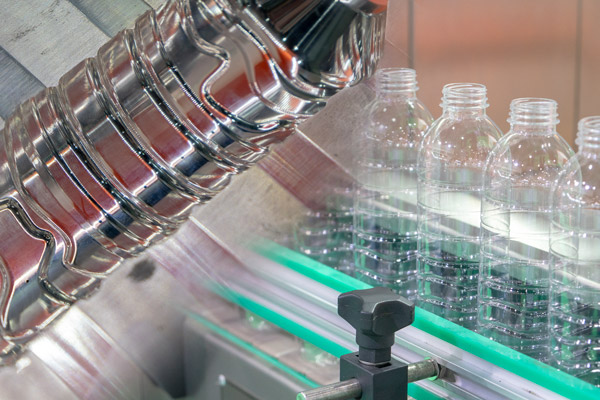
column 349, row 389
column 423, row 370
column 111, row 160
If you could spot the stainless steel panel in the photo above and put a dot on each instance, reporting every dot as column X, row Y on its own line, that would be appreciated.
column 154, row 3
column 90, row 363
column 111, row 16
column 221, row 371
column 17, row 84
column 139, row 307
column 35, row 381
column 47, row 37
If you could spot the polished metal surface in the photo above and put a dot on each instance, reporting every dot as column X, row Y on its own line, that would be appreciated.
column 111, row 160
column 345, row 390
column 111, row 16
column 16, row 84
column 90, row 363
column 423, row 370
column 218, row 368
column 32, row 32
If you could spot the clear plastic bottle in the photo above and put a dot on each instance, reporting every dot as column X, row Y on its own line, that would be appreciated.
column 385, row 213
column 515, row 219
column 451, row 161
column 326, row 236
column 575, row 260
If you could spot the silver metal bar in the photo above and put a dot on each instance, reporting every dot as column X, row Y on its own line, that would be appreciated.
column 423, row 370
column 349, row 389
column 111, row 16
column 16, row 84
column 52, row 31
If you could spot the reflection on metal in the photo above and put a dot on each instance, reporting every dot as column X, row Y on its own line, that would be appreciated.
column 110, row 16
column 106, row 373
column 423, row 370
column 40, row 246
column 111, row 161
column 349, row 389
column 16, row 84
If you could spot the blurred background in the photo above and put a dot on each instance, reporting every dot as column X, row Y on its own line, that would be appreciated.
column 533, row 48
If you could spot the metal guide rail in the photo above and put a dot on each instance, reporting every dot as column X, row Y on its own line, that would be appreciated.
column 299, row 295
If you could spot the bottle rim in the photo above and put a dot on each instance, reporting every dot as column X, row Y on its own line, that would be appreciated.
column 588, row 133
column 396, row 80
column 534, row 112
column 465, row 95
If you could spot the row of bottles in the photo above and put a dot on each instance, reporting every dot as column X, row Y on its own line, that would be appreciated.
column 497, row 233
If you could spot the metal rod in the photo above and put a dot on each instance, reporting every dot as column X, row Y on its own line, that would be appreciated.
column 422, row 370
column 349, row 389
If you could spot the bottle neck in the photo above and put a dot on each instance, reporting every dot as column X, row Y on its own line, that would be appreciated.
column 397, row 83
column 588, row 137
column 534, row 116
column 464, row 99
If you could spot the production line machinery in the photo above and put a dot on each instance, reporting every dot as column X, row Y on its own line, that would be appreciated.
column 111, row 161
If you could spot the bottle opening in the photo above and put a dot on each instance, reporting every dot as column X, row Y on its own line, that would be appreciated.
column 397, row 80
column 588, row 135
column 534, row 112
column 467, row 96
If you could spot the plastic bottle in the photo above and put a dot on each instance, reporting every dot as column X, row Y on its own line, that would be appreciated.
column 515, row 219
column 385, row 213
column 326, row 237
column 451, row 161
column 575, row 260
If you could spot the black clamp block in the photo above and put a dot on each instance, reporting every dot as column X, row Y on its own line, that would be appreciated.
column 376, row 314
column 387, row 381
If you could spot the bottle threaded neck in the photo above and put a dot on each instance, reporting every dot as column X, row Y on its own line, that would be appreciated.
column 588, row 135
column 464, row 96
column 533, row 114
column 397, row 81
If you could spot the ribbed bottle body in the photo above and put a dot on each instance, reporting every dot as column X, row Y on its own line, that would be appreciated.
column 450, row 186
column 516, row 214
column 574, row 312
column 385, row 213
